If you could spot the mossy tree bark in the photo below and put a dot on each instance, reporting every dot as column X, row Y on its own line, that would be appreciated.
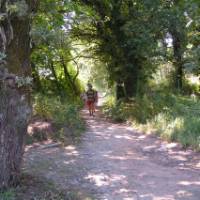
column 15, row 108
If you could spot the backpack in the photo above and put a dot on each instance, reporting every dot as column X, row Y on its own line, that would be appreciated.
column 91, row 95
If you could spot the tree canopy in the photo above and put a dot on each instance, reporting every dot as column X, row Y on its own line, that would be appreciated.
column 126, row 46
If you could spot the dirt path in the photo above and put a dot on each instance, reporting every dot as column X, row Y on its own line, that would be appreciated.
column 114, row 162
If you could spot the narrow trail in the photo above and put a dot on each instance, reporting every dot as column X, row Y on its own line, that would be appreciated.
column 114, row 162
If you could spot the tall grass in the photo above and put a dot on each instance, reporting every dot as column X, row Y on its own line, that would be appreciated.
column 62, row 114
column 175, row 118
column 8, row 195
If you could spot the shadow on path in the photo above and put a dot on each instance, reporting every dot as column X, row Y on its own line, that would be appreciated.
column 114, row 162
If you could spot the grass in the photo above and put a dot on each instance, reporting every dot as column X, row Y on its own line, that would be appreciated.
column 173, row 117
column 33, row 188
column 63, row 116
column 8, row 195
column 59, row 112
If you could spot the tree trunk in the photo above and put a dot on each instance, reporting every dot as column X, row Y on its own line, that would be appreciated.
column 178, row 63
column 120, row 93
column 58, row 85
column 15, row 108
column 178, row 32
column 131, row 86
column 68, row 78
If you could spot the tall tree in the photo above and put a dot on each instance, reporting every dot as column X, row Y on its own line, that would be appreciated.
column 177, row 29
column 15, row 70
column 126, row 34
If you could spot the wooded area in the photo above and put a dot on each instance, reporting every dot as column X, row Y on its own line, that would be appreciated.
column 144, row 54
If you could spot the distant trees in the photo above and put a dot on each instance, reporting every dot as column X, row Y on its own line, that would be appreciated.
column 182, row 16
column 128, row 34
column 192, row 61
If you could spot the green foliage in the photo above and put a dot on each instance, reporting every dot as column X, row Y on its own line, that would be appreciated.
column 54, row 68
column 190, row 88
column 192, row 60
column 19, row 7
column 132, row 37
column 115, row 111
column 129, row 37
column 175, row 118
column 8, row 195
column 180, row 122
column 61, row 114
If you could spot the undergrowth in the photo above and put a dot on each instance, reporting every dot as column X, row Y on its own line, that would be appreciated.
column 34, row 188
column 173, row 117
column 64, row 116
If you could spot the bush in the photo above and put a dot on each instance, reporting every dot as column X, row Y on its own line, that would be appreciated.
column 61, row 113
column 114, row 111
column 8, row 195
column 175, row 118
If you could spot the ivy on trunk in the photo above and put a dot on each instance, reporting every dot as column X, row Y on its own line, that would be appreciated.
column 15, row 108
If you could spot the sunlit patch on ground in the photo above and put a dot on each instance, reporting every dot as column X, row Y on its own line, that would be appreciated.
column 114, row 162
column 186, row 183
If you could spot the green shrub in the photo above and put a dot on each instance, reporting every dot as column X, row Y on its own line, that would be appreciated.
column 60, row 113
column 8, row 195
column 175, row 118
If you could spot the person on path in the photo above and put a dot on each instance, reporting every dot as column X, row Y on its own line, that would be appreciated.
column 91, row 99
